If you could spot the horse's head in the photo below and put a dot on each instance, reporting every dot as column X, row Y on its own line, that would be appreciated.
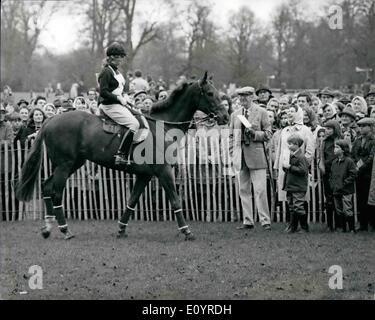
column 209, row 101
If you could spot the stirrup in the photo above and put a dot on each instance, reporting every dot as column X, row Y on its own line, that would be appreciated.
column 122, row 159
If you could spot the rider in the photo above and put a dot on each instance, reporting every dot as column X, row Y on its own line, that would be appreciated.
column 112, row 101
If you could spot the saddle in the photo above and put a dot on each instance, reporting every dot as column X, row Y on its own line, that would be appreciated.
column 110, row 126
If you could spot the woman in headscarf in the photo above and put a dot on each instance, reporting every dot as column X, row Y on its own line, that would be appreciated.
column 80, row 104
column 296, row 126
column 316, row 104
column 329, row 112
column 49, row 110
column 360, row 106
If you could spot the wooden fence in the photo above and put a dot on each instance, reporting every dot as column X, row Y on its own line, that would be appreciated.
column 208, row 188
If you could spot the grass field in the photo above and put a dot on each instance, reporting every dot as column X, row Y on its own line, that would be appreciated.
column 154, row 262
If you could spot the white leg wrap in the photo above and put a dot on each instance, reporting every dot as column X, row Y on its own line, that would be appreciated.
column 182, row 228
column 178, row 210
column 56, row 207
column 122, row 224
column 64, row 226
column 132, row 209
column 48, row 222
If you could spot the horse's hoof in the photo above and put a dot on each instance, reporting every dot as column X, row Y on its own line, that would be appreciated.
column 189, row 237
column 45, row 233
column 69, row 236
column 121, row 235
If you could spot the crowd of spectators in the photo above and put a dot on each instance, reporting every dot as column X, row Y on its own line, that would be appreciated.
column 321, row 119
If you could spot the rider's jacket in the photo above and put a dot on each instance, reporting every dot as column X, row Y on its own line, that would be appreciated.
column 111, row 84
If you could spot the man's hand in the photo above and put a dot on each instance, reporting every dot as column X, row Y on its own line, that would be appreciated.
column 137, row 110
column 250, row 132
column 275, row 174
column 122, row 100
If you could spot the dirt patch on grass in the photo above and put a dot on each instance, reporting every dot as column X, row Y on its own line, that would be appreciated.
column 155, row 262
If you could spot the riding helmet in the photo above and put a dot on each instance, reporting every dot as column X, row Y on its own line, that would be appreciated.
column 116, row 49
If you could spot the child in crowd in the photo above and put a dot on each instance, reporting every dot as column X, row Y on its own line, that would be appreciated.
column 327, row 155
column 342, row 179
column 295, row 183
column 363, row 151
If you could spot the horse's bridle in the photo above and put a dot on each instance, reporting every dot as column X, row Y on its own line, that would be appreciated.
column 211, row 115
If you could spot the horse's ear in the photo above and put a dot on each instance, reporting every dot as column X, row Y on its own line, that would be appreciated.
column 204, row 80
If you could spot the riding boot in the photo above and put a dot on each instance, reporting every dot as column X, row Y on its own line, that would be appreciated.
column 288, row 218
column 338, row 220
column 329, row 213
column 303, row 222
column 293, row 223
column 343, row 220
column 123, row 152
column 351, row 223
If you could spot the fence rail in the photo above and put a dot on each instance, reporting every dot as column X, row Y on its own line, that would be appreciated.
column 208, row 189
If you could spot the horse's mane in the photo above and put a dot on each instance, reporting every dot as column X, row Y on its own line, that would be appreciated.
column 165, row 104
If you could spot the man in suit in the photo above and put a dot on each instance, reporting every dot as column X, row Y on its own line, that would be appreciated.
column 249, row 157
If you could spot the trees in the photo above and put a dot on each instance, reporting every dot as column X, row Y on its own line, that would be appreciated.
column 241, row 35
column 299, row 48
column 109, row 20
column 21, row 25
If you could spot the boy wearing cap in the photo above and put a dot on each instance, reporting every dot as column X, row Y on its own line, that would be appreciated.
column 347, row 117
column 332, row 133
column 342, row 179
column 363, row 154
column 295, row 183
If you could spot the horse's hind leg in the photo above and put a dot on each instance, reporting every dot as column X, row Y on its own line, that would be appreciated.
column 139, row 186
column 47, row 191
column 60, row 175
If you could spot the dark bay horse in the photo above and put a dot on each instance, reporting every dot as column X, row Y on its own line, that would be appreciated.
column 76, row 136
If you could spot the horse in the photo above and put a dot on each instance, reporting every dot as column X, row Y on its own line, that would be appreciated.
column 72, row 138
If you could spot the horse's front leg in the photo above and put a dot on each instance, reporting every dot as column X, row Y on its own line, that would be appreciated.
column 140, row 183
column 167, row 180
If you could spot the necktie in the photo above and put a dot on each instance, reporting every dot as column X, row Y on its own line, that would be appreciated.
column 245, row 114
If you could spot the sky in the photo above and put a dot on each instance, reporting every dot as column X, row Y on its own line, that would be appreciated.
column 62, row 33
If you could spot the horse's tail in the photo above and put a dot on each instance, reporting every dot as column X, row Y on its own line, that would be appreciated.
column 30, row 169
